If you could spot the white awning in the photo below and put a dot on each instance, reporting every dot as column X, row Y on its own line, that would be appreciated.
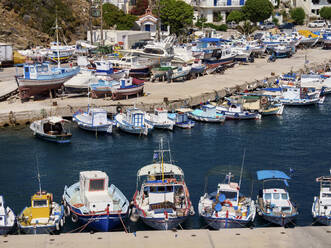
column 157, row 169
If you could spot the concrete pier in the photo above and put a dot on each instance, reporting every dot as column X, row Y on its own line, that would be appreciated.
column 259, row 237
column 171, row 95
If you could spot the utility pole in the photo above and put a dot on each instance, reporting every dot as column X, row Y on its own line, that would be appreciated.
column 90, row 20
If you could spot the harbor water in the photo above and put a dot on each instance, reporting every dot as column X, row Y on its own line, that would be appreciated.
column 300, row 140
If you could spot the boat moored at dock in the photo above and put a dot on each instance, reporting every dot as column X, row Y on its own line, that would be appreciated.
column 95, row 119
column 160, row 119
column 93, row 203
column 207, row 113
column 7, row 218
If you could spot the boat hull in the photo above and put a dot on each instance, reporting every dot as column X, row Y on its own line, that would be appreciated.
column 162, row 224
column 185, row 125
column 61, row 139
column 220, row 223
column 38, row 229
column 126, row 92
column 279, row 220
column 219, row 119
column 6, row 229
column 323, row 220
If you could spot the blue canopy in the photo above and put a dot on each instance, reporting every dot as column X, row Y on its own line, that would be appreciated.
column 271, row 174
column 272, row 89
column 213, row 40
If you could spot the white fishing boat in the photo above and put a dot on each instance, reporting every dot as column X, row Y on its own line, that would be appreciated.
column 7, row 218
column 95, row 119
column 321, row 209
column 159, row 119
column 79, row 83
column 162, row 198
column 274, row 204
column 133, row 121
column 207, row 113
column 51, row 129
column 235, row 112
column 181, row 118
column 299, row 96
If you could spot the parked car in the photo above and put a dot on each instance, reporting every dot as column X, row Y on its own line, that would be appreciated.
column 286, row 25
column 267, row 25
column 317, row 24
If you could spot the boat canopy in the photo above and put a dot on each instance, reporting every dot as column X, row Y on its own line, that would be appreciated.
column 156, row 168
column 184, row 110
column 213, row 40
column 271, row 174
column 56, row 119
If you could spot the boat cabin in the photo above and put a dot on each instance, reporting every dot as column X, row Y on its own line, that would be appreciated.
column 276, row 200
column 235, row 108
column 135, row 117
column 162, row 114
column 98, row 116
column 104, row 66
column 32, row 71
column 126, row 82
column 325, row 195
column 41, row 207
column 208, row 110
column 52, row 125
column 229, row 192
column 3, row 214
column 94, row 190
column 297, row 93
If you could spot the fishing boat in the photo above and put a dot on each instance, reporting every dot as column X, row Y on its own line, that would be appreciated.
column 79, row 83
column 94, row 204
column 180, row 73
column 61, row 53
column 181, row 118
column 299, row 96
column 159, row 119
column 133, row 121
column 197, row 68
column 7, row 218
column 94, row 119
column 265, row 105
column 321, row 209
column 102, row 87
column 128, row 87
column 207, row 113
column 105, row 68
column 235, row 112
column 41, row 78
column 162, row 198
column 274, row 204
column 51, row 129
column 137, row 66
column 282, row 51
column 227, row 207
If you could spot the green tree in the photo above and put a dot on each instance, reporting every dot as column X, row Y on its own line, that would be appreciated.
column 140, row 7
column 257, row 10
column 235, row 16
column 298, row 15
column 114, row 16
column 177, row 14
column 325, row 13
column 246, row 28
column 200, row 22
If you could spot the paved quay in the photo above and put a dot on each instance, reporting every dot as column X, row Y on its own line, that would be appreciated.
column 258, row 237
column 171, row 95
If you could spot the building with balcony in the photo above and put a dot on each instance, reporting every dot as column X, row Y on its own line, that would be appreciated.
column 312, row 7
column 212, row 9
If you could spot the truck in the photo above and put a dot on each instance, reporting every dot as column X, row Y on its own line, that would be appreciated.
column 6, row 54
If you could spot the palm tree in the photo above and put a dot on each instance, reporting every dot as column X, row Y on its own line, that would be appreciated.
column 246, row 28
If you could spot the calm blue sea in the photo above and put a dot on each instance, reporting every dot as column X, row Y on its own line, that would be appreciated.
column 300, row 139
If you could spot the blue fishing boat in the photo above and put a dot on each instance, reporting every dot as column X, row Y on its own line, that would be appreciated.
column 7, row 218
column 105, row 68
column 133, row 121
column 227, row 207
column 103, row 87
column 95, row 119
column 52, row 129
column 92, row 203
column 274, row 204
column 321, row 208
column 163, row 200
column 181, row 118
column 207, row 113
column 42, row 78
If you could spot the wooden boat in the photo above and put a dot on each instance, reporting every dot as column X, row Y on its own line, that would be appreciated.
column 299, row 96
column 181, row 118
column 44, row 216
column 321, row 208
column 128, row 87
column 51, row 129
column 163, row 200
column 274, row 204
column 94, row 119
column 181, row 73
column 235, row 112
column 207, row 113
column 7, row 218
column 133, row 121
column 160, row 119
column 227, row 207
column 41, row 78
column 93, row 203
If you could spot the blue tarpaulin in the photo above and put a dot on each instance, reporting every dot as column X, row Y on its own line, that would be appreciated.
column 213, row 40
column 271, row 174
column 272, row 89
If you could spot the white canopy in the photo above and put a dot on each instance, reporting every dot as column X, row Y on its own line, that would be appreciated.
column 157, row 169
column 55, row 119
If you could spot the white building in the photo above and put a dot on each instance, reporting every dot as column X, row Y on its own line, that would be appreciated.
column 126, row 38
column 211, row 9
column 312, row 7
column 121, row 4
column 148, row 22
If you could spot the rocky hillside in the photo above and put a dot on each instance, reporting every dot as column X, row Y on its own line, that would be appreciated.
column 27, row 23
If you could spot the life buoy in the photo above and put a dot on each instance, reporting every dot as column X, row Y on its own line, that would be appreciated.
column 264, row 100
column 227, row 202
column 119, row 109
column 74, row 218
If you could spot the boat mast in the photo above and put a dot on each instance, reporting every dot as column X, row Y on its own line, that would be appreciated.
column 38, row 175
column 161, row 150
column 57, row 43
column 242, row 167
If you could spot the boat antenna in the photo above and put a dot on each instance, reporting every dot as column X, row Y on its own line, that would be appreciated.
column 38, row 174
column 170, row 158
column 57, row 41
column 242, row 167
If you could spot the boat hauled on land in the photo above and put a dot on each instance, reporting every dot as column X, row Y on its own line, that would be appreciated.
column 163, row 201
column 93, row 203
column 274, row 204
column 321, row 209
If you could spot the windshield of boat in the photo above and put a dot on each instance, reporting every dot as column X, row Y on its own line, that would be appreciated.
column 97, row 184
column 229, row 195
column 153, row 51
column 40, row 203
column 326, row 195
